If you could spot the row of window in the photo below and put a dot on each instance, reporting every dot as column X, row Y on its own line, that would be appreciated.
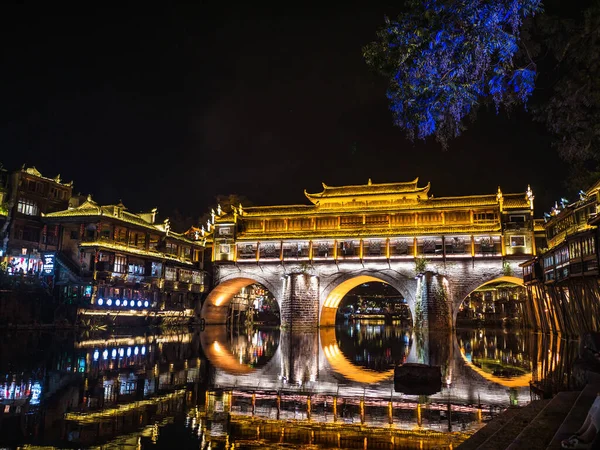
column 376, row 247
column 576, row 249
column 400, row 219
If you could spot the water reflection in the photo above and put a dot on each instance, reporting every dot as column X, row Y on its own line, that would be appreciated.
column 214, row 388
column 375, row 347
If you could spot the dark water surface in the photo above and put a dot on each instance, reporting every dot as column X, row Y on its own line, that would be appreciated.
column 220, row 389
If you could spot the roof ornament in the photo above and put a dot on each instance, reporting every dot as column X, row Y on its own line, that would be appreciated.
column 563, row 202
column 167, row 226
column 240, row 209
column 555, row 209
column 212, row 215
column 219, row 210
column 370, row 182
column 57, row 178
column 208, row 225
column 582, row 195
column 529, row 196
column 202, row 230
column 89, row 197
column 500, row 198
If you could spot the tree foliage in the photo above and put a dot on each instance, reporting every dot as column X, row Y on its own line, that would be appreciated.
column 444, row 57
column 572, row 110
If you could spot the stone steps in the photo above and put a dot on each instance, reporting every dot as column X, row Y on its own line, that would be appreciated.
column 490, row 428
column 576, row 415
column 503, row 437
column 540, row 431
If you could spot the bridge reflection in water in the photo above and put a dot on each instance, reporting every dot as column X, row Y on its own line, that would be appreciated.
column 341, row 380
column 328, row 389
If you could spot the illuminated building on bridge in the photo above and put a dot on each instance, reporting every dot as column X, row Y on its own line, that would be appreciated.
column 310, row 256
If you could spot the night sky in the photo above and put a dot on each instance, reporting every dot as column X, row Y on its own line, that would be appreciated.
column 169, row 108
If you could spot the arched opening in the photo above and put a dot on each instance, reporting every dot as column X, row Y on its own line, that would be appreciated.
column 375, row 303
column 241, row 303
column 365, row 297
column 500, row 357
column 239, row 353
column 501, row 302
column 341, row 364
column 372, row 333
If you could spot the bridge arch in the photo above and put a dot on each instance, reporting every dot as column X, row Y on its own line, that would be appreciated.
column 342, row 365
column 216, row 305
column 464, row 291
column 216, row 347
column 333, row 292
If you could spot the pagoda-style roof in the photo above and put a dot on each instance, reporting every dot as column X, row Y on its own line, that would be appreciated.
column 36, row 173
column 511, row 201
column 90, row 210
column 384, row 191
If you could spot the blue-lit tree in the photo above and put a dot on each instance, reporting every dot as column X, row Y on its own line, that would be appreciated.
column 445, row 57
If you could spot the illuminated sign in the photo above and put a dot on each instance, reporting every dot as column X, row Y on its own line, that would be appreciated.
column 48, row 267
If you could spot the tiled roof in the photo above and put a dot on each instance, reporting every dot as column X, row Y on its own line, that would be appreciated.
column 90, row 209
column 368, row 189
column 132, row 250
column 511, row 201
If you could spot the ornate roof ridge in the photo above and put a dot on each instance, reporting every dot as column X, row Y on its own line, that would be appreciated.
column 370, row 183
column 251, row 208
column 36, row 173
column 397, row 188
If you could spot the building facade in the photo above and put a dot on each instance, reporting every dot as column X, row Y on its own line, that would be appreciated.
column 110, row 259
column 562, row 280
column 25, row 196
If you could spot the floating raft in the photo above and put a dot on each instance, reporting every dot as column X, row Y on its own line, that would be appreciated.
column 418, row 379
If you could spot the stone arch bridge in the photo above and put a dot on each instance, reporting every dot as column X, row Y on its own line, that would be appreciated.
column 309, row 294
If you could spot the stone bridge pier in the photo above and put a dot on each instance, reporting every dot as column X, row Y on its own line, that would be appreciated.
column 308, row 295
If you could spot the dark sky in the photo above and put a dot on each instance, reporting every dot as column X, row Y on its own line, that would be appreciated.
column 171, row 107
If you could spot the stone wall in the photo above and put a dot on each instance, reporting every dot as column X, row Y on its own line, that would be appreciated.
column 302, row 290
column 300, row 305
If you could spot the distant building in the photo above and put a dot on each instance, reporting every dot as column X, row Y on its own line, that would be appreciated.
column 24, row 196
column 113, row 259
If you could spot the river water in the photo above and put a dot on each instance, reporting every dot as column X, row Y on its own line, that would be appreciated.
column 266, row 388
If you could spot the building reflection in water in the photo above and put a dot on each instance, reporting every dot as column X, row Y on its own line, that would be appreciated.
column 219, row 389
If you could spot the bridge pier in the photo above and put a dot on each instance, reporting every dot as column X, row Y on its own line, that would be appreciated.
column 434, row 307
column 300, row 302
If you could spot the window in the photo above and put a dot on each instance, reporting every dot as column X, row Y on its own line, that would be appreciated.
column 517, row 241
column 185, row 275
column 121, row 235
column 27, row 207
column 120, row 264
column 197, row 277
column 224, row 248
column 484, row 216
column 517, row 218
column 170, row 274
column 136, row 267
column 156, row 269
column 153, row 241
column 171, row 248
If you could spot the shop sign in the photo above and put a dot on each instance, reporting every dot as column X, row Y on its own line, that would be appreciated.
column 48, row 266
